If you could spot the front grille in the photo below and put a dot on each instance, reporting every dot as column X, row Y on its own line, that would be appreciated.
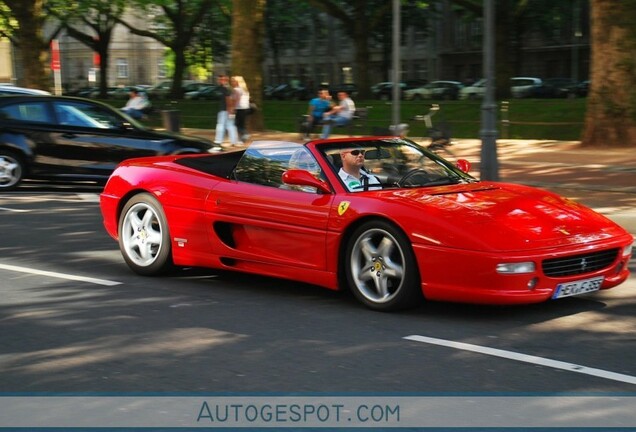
column 579, row 264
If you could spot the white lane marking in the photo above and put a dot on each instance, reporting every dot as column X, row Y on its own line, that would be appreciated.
column 525, row 358
column 14, row 210
column 58, row 275
column 90, row 197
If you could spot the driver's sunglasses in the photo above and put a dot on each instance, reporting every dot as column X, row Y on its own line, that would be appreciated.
column 357, row 152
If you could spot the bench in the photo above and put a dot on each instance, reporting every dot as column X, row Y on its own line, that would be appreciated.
column 359, row 122
column 357, row 125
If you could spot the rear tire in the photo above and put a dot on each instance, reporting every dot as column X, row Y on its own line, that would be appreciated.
column 144, row 238
column 12, row 170
column 381, row 269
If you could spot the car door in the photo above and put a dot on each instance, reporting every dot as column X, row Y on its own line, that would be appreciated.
column 287, row 227
column 259, row 218
column 91, row 140
column 27, row 124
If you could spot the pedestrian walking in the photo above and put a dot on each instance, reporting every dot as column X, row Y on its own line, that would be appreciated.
column 242, row 102
column 226, row 115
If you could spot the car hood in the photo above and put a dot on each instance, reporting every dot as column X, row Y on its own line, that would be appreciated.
column 501, row 217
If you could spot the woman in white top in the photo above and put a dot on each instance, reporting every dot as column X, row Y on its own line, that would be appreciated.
column 242, row 103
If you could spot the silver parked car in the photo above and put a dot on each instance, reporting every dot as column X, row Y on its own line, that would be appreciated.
column 526, row 87
column 13, row 90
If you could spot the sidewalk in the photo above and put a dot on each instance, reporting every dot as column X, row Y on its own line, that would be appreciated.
column 603, row 179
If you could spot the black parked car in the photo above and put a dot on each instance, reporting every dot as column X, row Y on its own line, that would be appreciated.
column 51, row 137
column 560, row 87
column 581, row 89
column 384, row 90
column 288, row 92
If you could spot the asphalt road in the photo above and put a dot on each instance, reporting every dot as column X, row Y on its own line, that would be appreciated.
column 75, row 319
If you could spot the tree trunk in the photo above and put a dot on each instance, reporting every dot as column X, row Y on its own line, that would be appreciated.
column 611, row 105
column 180, row 67
column 248, row 30
column 104, row 61
column 34, row 59
column 33, row 47
column 361, row 70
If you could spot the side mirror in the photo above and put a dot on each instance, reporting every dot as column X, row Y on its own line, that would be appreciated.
column 463, row 165
column 296, row 177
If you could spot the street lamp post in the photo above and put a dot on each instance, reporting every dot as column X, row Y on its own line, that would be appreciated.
column 488, row 133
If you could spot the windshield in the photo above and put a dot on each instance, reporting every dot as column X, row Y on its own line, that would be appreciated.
column 390, row 164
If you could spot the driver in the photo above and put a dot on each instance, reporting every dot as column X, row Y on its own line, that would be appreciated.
column 355, row 178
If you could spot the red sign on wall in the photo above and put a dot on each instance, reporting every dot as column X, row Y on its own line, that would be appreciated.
column 55, row 55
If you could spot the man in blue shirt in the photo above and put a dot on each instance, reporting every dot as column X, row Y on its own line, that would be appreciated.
column 317, row 107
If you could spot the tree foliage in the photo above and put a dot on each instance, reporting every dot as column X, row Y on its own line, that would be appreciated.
column 22, row 21
column 98, row 16
column 174, row 24
column 285, row 27
column 359, row 18
column 211, row 42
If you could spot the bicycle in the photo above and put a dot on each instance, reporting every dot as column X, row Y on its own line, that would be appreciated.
column 439, row 139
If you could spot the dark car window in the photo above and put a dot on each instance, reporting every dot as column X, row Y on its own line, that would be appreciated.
column 73, row 113
column 264, row 162
column 26, row 112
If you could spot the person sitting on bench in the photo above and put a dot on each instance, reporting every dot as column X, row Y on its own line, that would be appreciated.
column 318, row 106
column 339, row 115
column 136, row 105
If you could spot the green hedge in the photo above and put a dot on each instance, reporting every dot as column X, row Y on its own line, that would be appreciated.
column 558, row 119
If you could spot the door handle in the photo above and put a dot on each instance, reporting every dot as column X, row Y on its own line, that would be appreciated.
column 69, row 135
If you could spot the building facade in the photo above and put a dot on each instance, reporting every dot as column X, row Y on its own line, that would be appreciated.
column 6, row 63
column 134, row 60
column 447, row 47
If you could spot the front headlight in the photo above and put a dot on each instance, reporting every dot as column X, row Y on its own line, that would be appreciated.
column 627, row 251
column 516, row 268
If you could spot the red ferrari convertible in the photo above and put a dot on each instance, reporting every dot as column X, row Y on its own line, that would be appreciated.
column 406, row 225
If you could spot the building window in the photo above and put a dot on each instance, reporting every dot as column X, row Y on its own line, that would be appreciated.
column 461, row 36
column 79, row 72
column 347, row 75
column 122, row 68
column 477, row 34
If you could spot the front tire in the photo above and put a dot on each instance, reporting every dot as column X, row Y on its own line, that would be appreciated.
column 12, row 170
column 380, row 267
column 144, row 238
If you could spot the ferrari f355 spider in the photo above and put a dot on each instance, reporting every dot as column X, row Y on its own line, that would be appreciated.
column 407, row 225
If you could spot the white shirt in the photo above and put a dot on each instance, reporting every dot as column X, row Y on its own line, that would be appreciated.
column 243, row 99
column 357, row 185
column 138, row 102
column 347, row 108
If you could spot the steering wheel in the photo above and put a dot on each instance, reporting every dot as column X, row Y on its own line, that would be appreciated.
column 412, row 173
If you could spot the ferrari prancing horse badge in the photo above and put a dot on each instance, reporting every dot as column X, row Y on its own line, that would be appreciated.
column 342, row 207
